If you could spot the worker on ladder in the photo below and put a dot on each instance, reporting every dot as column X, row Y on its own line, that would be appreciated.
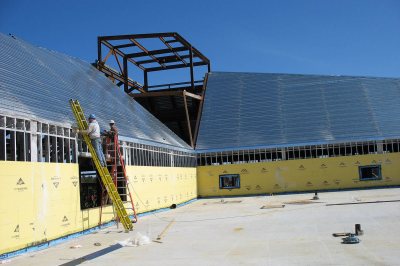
column 112, row 139
column 94, row 134
column 112, row 132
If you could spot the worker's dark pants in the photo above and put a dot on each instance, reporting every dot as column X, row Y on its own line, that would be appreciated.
column 99, row 151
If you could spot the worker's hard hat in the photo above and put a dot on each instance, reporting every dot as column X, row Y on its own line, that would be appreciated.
column 92, row 116
column 112, row 122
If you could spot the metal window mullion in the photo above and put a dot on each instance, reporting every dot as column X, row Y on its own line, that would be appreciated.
column 164, row 157
column 75, row 153
column 155, row 153
column 63, row 149
column 56, row 150
column 14, row 157
column 134, row 157
column 137, row 159
column 48, row 148
column 153, row 156
column 5, row 144
column 137, row 154
column 159, row 157
column 68, row 159
column 156, row 156
column 150, row 152
column 145, row 155
column 40, row 149
column 133, row 154
column 23, row 150
column 141, row 155
column 15, row 139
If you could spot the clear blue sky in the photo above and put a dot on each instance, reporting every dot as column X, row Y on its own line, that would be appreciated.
column 340, row 37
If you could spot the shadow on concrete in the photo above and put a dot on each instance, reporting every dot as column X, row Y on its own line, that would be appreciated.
column 93, row 255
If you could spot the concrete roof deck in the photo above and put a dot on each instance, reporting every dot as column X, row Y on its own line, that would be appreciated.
column 211, row 232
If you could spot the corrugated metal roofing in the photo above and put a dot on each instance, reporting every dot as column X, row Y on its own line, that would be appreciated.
column 37, row 83
column 243, row 110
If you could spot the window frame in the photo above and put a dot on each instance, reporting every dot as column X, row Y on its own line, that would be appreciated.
column 233, row 176
column 361, row 167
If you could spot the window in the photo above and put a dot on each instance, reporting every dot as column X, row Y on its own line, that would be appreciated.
column 370, row 172
column 2, row 145
column 72, row 151
column 298, row 152
column 20, row 154
column 10, row 145
column 90, row 189
column 55, row 144
column 66, row 152
column 15, row 139
column 229, row 181
column 53, row 149
column 148, row 155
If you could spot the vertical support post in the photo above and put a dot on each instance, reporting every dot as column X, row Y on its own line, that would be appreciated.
column 200, row 109
column 379, row 147
column 24, row 149
column 146, row 82
column 3, row 155
column 283, row 152
column 99, row 56
column 14, row 141
column 55, row 150
column 188, row 119
column 209, row 67
column 34, row 142
column 126, row 87
column 191, row 69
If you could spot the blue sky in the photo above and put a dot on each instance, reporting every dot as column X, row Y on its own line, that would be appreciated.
column 309, row 37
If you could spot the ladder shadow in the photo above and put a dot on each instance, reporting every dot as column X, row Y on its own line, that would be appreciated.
column 93, row 255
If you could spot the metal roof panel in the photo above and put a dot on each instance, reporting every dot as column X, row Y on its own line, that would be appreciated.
column 37, row 83
column 270, row 110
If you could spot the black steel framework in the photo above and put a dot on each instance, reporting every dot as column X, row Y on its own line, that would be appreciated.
column 175, row 104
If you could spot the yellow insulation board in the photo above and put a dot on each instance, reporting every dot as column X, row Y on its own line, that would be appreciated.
column 299, row 175
column 41, row 201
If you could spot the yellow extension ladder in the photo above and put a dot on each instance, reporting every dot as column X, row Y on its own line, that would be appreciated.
column 103, row 171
